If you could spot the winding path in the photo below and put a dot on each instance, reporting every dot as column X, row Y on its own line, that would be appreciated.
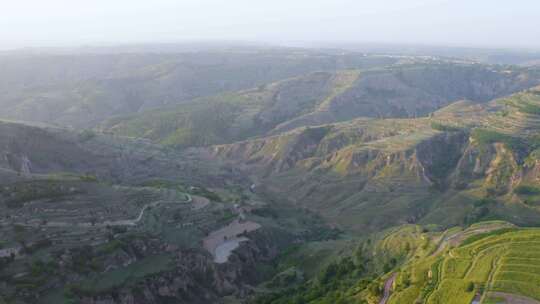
column 141, row 214
column 388, row 289
column 7, row 252
column 131, row 222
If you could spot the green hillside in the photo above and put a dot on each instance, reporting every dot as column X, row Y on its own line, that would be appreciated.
column 81, row 90
column 320, row 98
column 464, row 163
column 234, row 116
column 268, row 176
column 493, row 267
column 414, row 264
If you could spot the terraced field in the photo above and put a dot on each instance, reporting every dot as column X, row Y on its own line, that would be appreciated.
column 501, row 266
column 515, row 115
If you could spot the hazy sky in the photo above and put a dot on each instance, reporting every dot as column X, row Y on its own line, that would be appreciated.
column 440, row 22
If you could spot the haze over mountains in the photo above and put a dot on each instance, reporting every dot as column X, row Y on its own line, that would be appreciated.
column 258, row 174
column 480, row 23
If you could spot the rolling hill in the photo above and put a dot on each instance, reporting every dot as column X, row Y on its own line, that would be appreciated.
column 493, row 267
column 407, row 90
column 28, row 151
column 492, row 261
column 465, row 162
column 81, row 90
column 267, row 176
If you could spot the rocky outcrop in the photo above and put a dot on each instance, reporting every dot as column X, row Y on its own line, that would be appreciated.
column 195, row 278
column 441, row 154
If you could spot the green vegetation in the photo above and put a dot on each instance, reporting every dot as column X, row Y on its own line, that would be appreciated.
column 480, row 236
column 349, row 275
column 445, row 128
column 527, row 190
column 231, row 117
column 361, row 165
column 530, row 108
column 120, row 277
column 486, row 136
column 504, row 260
column 202, row 191
column 79, row 90
column 308, row 100
column 86, row 135
column 15, row 195
column 426, row 271
column 336, row 157
column 331, row 285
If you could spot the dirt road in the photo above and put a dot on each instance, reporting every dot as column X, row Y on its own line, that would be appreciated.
column 388, row 289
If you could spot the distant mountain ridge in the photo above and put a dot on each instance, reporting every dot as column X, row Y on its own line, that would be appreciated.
column 407, row 90
column 82, row 90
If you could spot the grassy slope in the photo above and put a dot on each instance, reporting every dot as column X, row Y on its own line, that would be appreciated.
column 500, row 261
column 367, row 173
column 82, row 90
column 432, row 266
column 234, row 116
column 319, row 98
column 345, row 270
column 108, row 157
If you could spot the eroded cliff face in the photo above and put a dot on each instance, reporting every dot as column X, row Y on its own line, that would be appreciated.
column 532, row 169
column 273, row 154
column 316, row 150
column 192, row 277
column 346, row 174
column 498, row 168
column 338, row 172
column 413, row 92
column 440, row 155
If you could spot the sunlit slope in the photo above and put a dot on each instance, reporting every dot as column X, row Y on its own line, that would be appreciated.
column 81, row 90
column 399, row 265
column 400, row 91
column 503, row 261
column 466, row 162
column 234, row 116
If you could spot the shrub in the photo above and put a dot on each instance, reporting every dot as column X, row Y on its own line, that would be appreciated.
column 470, row 287
column 88, row 178
column 86, row 135
column 484, row 202
column 529, row 108
column 484, row 136
column 527, row 190
column 521, row 146
column 445, row 128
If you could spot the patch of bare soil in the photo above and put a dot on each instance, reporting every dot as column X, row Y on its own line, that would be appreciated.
column 230, row 232
column 199, row 202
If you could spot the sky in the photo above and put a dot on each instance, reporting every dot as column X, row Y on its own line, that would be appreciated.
column 473, row 23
